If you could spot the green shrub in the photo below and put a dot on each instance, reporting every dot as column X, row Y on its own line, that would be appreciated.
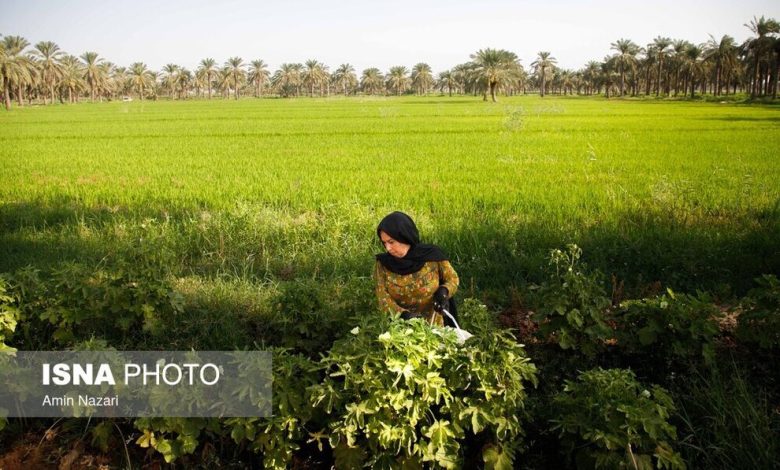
column 9, row 316
column 572, row 305
column 310, row 315
column 670, row 327
column 759, row 322
column 474, row 317
column 75, row 302
column 276, row 437
column 403, row 393
column 609, row 420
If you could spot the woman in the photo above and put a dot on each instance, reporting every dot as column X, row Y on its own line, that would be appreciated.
column 412, row 278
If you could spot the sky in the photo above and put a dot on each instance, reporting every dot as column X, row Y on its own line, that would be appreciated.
column 367, row 33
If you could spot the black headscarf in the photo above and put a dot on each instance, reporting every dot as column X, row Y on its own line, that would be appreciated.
column 401, row 227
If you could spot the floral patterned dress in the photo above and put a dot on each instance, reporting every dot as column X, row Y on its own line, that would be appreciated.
column 414, row 292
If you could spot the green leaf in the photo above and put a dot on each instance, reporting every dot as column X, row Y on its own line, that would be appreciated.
column 647, row 335
column 498, row 457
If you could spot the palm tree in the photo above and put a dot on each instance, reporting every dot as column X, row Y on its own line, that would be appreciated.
column 371, row 81
column 120, row 81
column 567, row 81
column 224, row 77
column 776, row 49
column 183, row 82
column 314, row 74
column 680, row 48
column 344, row 77
column 760, row 47
column 422, row 78
column 660, row 45
column 49, row 56
column 93, row 73
column 107, row 87
column 461, row 75
column 543, row 63
column 608, row 75
column 71, row 78
column 694, row 65
column 590, row 76
column 258, row 75
column 208, row 68
column 446, row 80
column 16, row 69
column 170, row 78
column 626, row 57
column 236, row 65
column 724, row 54
column 141, row 78
column 493, row 67
column 397, row 79
column 287, row 79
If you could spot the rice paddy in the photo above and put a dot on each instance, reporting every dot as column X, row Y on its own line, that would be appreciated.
column 272, row 190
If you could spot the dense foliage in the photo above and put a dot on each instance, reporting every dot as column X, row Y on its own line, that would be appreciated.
column 573, row 304
column 609, row 420
column 759, row 322
column 670, row 327
column 411, row 395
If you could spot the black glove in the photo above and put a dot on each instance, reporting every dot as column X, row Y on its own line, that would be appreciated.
column 407, row 315
column 440, row 299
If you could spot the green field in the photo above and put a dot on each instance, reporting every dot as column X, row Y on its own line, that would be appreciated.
column 251, row 225
column 264, row 190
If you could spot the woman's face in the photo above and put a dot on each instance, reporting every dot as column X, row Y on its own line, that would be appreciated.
column 394, row 247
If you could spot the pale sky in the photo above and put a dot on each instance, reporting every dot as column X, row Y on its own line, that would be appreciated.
column 367, row 33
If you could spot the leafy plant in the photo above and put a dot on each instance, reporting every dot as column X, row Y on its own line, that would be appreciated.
column 76, row 301
column 9, row 316
column 609, row 420
column 759, row 322
column 572, row 304
column 276, row 437
column 670, row 326
column 404, row 393
column 475, row 317
column 311, row 315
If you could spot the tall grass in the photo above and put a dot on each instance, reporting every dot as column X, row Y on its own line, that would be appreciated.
column 728, row 421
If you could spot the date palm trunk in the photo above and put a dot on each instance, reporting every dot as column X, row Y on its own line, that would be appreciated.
column 717, row 79
column 6, row 94
column 754, row 88
column 648, row 81
column 20, row 95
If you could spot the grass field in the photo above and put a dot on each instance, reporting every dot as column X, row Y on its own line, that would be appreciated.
column 275, row 190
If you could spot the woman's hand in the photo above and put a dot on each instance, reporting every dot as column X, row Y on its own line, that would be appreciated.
column 407, row 315
column 440, row 299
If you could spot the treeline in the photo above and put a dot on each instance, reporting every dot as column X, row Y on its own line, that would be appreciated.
column 44, row 73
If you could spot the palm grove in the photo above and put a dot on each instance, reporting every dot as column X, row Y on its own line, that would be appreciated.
column 43, row 73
